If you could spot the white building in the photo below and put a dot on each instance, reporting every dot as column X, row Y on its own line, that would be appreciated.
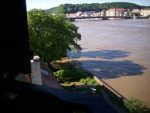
column 135, row 11
column 79, row 13
column 115, row 12
column 96, row 14
column 145, row 12
column 71, row 15
column 103, row 13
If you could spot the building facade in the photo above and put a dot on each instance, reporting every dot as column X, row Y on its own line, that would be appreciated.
column 116, row 12
column 145, row 12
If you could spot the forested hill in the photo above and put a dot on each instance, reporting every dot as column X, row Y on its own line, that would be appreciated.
column 71, row 8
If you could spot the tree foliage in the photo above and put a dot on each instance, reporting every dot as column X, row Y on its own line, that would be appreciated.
column 72, row 8
column 88, row 81
column 51, row 36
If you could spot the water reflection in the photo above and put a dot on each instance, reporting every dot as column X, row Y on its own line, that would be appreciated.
column 112, row 69
column 105, row 54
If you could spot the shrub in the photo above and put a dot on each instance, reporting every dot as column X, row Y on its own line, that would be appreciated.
column 69, row 74
column 88, row 81
column 136, row 106
column 59, row 74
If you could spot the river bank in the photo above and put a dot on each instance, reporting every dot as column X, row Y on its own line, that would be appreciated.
column 116, row 100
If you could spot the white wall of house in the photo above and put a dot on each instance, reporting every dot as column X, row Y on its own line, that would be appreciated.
column 145, row 12
column 103, row 13
column 110, row 13
column 115, row 12
column 79, row 13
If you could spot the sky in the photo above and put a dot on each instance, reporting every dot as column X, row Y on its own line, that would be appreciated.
column 46, row 4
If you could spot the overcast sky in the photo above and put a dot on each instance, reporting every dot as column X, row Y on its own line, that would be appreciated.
column 45, row 4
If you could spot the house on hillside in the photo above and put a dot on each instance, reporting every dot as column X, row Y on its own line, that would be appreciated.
column 103, row 13
column 87, row 13
column 71, row 15
column 135, row 12
column 79, row 13
column 116, row 12
column 145, row 12
column 96, row 14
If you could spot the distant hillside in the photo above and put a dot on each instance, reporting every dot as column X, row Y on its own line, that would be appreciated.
column 71, row 8
column 52, row 10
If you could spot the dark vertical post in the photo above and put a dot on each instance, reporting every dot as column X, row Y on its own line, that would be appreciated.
column 15, row 51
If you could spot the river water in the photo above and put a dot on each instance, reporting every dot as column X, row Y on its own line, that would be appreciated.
column 117, row 51
column 113, row 48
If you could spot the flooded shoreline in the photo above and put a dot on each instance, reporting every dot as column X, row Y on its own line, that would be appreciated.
column 118, row 51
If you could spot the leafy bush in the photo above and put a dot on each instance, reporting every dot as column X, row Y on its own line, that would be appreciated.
column 59, row 74
column 70, row 73
column 88, row 81
column 136, row 106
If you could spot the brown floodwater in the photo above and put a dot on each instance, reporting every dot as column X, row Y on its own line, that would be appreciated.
column 121, row 47
column 118, row 51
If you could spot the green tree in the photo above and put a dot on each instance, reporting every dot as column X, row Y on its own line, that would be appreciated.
column 51, row 36
column 60, row 9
